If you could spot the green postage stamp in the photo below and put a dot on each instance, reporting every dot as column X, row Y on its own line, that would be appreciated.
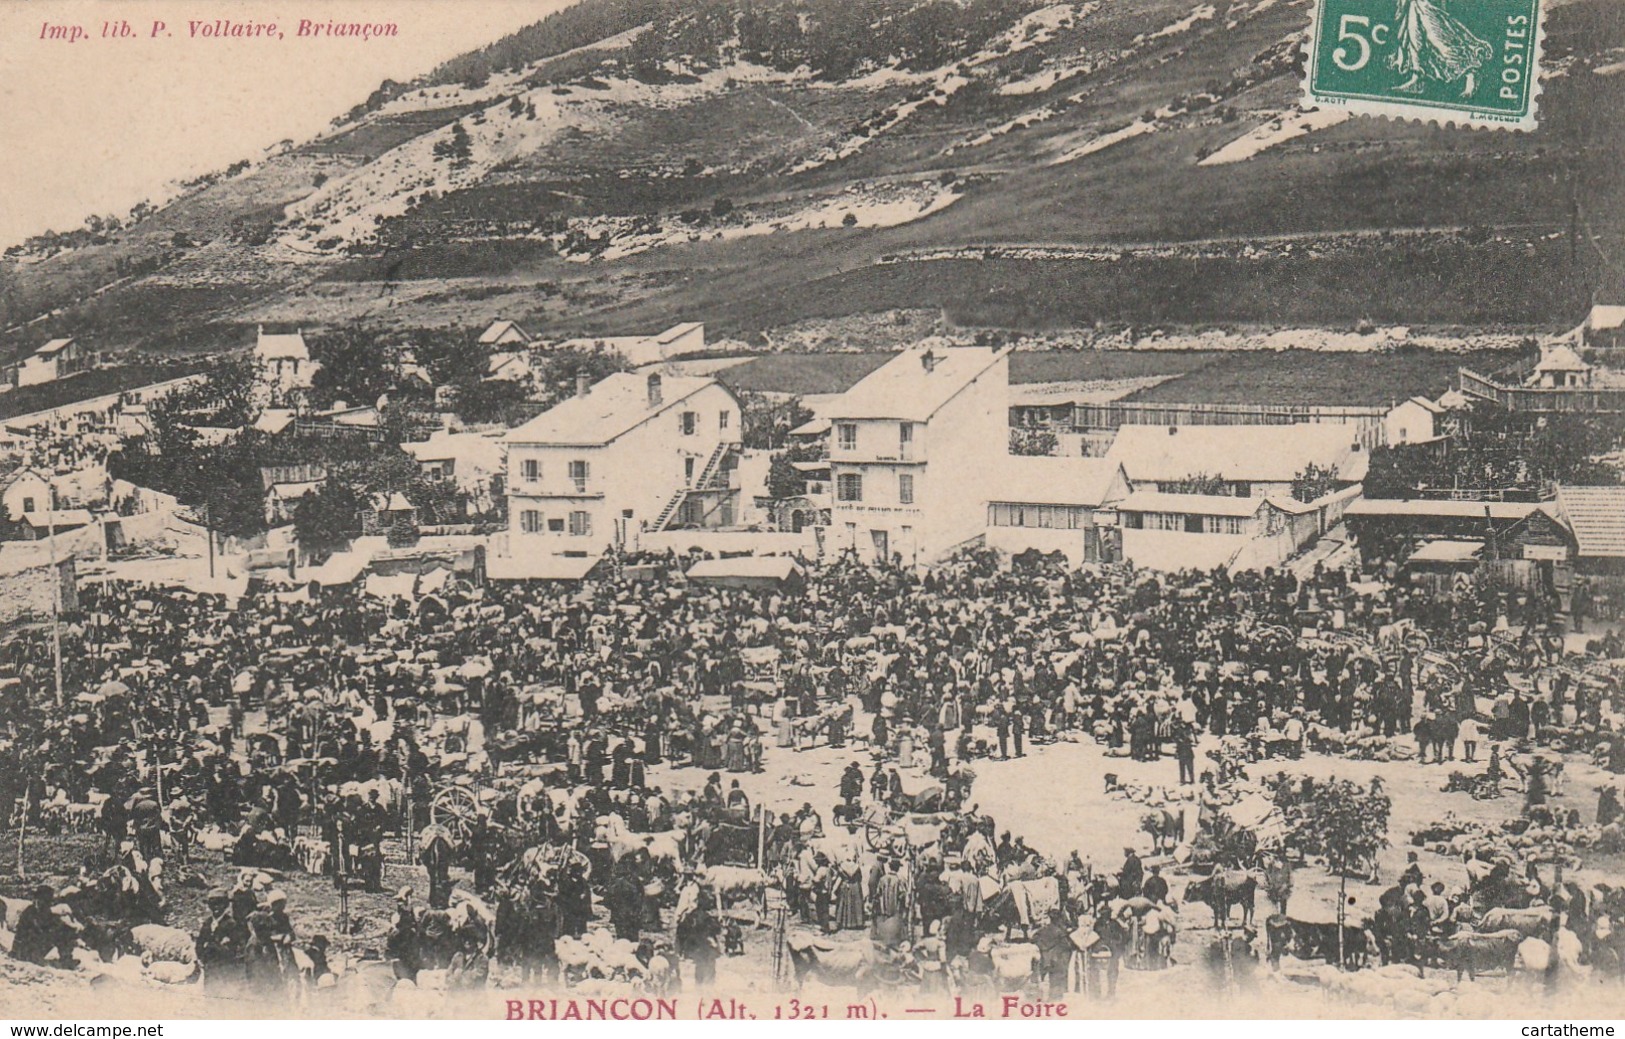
column 1470, row 62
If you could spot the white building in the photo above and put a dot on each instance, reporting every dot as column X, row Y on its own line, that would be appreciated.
column 639, row 350
column 284, row 360
column 632, row 453
column 1246, row 461
column 1054, row 504
column 54, row 360
column 1172, row 532
column 1413, row 421
column 930, row 404
column 504, row 333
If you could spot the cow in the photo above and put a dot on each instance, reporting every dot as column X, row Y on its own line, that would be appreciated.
column 1534, row 922
column 1164, row 827
column 1225, row 889
column 1476, row 952
column 1317, row 941
column 850, row 964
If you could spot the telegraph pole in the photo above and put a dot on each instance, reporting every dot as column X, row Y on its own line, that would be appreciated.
column 56, row 589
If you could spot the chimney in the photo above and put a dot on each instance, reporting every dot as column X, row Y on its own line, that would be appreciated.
column 928, row 360
column 583, row 384
column 654, row 391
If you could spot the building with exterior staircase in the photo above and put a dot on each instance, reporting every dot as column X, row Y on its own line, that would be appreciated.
column 632, row 454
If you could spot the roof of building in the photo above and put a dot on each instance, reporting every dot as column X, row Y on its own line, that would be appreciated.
column 1440, row 508
column 474, row 449
column 1423, row 402
column 1561, row 358
column 55, row 346
column 814, row 427
column 614, row 406
column 498, row 361
column 1048, row 480
column 777, row 568
column 290, row 346
column 1454, row 400
column 537, row 566
column 1597, row 517
column 1447, row 552
column 1192, row 504
column 676, row 332
column 272, row 421
column 396, row 502
column 497, row 329
column 915, row 384
column 1253, row 453
column 1605, row 316
column 59, row 518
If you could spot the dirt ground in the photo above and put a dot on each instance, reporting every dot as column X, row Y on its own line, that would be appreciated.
column 1054, row 797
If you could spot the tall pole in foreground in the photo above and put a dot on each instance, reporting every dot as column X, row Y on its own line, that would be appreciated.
column 56, row 589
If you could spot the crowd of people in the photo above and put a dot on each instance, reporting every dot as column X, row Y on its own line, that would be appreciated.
column 326, row 718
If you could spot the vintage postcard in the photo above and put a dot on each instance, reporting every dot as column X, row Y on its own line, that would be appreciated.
column 651, row 510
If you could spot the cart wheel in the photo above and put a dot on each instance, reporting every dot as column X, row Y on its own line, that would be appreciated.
column 457, row 809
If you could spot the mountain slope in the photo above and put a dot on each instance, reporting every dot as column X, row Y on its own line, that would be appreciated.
column 752, row 162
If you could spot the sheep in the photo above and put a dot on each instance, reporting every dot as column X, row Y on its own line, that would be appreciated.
column 158, row 942
column 170, row 972
column 1014, row 964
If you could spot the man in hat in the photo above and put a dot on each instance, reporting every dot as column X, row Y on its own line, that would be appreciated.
column 402, row 944
column 1156, row 886
column 39, row 930
column 270, row 943
column 220, row 944
column 1132, row 876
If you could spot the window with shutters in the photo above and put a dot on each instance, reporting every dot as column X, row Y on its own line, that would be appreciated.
column 532, row 469
column 905, row 488
column 846, row 435
column 578, row 475
column 530, row 521
column 691, row 422
column 580, row 524
column 849, row 487
column 722, row 419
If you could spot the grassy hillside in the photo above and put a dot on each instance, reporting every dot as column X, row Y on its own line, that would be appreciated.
column 629, row 163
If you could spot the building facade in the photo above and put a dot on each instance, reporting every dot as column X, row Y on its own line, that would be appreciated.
column 632, row 453
column 910, row 449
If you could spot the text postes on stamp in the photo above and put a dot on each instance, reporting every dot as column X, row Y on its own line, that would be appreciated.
column 1473, row 62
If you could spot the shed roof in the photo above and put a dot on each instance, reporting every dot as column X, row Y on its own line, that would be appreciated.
column 1447, row 552
column 536, row 566
column 1047, row 480
column 1597, row 517
column 1274, row 454
column 55, row 346
column 777, row 568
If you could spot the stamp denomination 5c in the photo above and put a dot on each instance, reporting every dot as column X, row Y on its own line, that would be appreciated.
column 1472, row 62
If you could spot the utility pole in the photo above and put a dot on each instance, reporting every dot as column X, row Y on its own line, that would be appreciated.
column 56, row 589
column 208, row 532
